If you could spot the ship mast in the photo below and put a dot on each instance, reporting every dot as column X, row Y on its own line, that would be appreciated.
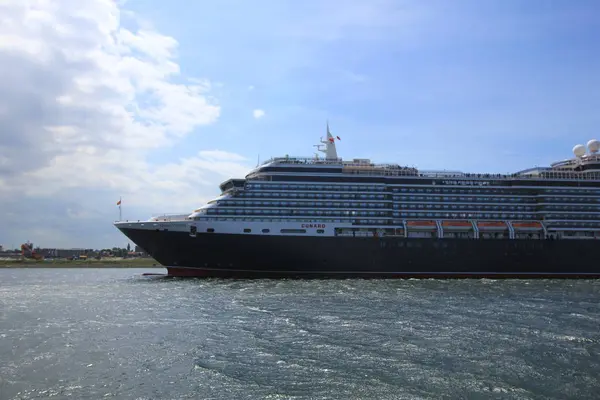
column 328, row 146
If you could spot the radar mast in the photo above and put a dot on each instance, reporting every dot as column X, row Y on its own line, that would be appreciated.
column 328, row 146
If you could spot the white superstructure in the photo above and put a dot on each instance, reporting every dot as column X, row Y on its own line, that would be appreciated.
column 331, row 197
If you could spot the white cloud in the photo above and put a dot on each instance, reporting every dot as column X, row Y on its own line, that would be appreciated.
column 258, row 113
column 221, row 155
column 83, row 100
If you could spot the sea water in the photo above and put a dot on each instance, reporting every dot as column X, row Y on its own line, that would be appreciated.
column 113, row 333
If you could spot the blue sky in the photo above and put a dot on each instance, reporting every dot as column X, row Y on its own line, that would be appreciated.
column 473, row 85
column 155, row 101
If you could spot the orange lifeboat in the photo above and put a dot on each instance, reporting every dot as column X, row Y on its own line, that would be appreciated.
column 457, row 225
column 495, row 225
column 528, row 225
column 421, row 224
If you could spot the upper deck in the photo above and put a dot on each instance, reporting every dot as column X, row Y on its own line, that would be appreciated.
column 579, row 169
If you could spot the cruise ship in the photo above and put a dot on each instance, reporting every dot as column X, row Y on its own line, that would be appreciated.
column 324, row 217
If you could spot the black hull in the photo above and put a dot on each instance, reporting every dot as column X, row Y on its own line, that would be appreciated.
column 268, row 256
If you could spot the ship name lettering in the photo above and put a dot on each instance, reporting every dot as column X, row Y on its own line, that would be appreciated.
column 322, row 226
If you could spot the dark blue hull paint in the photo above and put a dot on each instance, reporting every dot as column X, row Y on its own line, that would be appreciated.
column 255, row 256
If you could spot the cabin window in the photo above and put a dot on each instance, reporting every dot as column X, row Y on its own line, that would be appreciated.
column 265, row 231
column 210, row 230
column 247, row 230
column 320, row 231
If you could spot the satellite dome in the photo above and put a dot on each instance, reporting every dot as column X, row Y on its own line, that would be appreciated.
column 593, row 146
column 579, row 150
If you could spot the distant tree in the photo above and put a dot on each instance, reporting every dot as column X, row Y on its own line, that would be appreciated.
column 128, row 247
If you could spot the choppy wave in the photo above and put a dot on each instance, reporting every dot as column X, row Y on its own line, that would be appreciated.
column 90, row 334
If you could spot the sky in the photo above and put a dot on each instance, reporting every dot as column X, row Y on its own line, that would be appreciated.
column 158, row 102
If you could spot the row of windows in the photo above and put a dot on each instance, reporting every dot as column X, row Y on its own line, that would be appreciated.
column 481, row 207
column 342, row 188
column 370, row 221
column 339, row 188
column 574, row 224
column 404, row 189
column 249, row 211
column 344, row 196
column 490, row 190
column 571, row 216
column 466, row 199
column 293, row 209
column 400, row 214
column 295, row 195
column 269, row 219
column 570, row 208
column 573, row 191
column 454, row 190
column 225, row 207
column 312, row 204
column 465, row 215
column 521, row 196
column 372, row 197
column 302, row 219
column 579, row 199
column 409, row 206
column 399, row 222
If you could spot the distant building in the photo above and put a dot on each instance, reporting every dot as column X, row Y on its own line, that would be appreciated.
column 65, row 253
column 1, row 248
column 140, row 252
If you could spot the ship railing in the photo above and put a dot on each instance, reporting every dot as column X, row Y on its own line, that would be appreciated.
column 589, row 176
column 442, row 174
column 363, row 168
column 334, row 161
column 170, row 217
column 586, row 159
column 381, row 171
column 564, row 163
column 302, row 160
column 544, row 175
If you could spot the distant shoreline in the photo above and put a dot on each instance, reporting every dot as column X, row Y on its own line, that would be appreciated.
column 78, row 266
column 112, row 263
